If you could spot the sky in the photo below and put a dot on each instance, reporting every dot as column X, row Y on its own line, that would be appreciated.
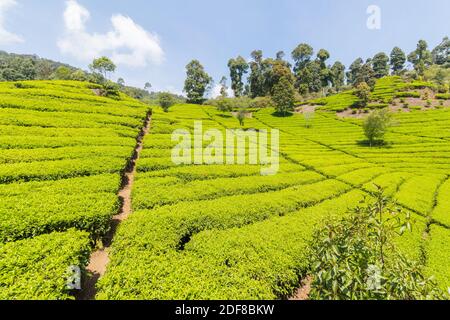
column 153, row 40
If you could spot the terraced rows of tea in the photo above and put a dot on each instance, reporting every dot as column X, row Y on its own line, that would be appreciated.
column 201, row 231
column 227, row 232
column 62, row 152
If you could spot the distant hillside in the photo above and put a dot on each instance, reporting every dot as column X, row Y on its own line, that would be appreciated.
column 20, row 67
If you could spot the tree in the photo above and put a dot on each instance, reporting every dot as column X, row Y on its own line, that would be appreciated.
column 121, row 82
column 283, row 96
column 62, row 73
column 103, row 65
column 380, row 65
column 325, row 73
column 274, row 70
column 44, row 70
column 223, row 87
column 78, row 75
column 224, row 105
column 421, row 57
column 303, row 69
column 354, row 71
column 338, row 75
column 197, row 82
column 363, row 93
column 166, row 100
column 238, row 68
column 256, row 78
column 440, row 77
column 302, row 56
column 147, row 86
column 241, row 116
column 365, row 74
column 398, row 59
column 441, row 54
column 376, row 125
column 358, row 257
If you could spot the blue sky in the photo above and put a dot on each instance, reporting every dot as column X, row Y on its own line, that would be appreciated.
column 154, row 40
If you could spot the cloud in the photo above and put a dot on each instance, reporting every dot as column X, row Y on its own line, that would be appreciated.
column 7, row 37
column 127, row 43
column 215, row 92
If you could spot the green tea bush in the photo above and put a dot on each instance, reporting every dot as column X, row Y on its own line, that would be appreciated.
column 38, row 268
column 356, row 258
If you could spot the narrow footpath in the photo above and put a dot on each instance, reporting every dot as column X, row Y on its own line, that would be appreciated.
column 100, row 258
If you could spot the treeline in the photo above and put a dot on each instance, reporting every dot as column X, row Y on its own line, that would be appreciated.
column 309, row 72
column 21, row 67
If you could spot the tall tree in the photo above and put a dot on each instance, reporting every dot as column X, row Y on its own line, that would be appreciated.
column 147, row 86
column 256, row 78
column 338, row 75
column 380, row 64
column 274, row 71
column 103, row 65
column 398, row 59
column 197, row 82
column 441, row 54
column 354, row 71
column 238, row 69
column 302, row 56
column 121, row 82
column 325, row 74
column 421, row 57
column 363, row 93
column 284, row 96
column 223, row 87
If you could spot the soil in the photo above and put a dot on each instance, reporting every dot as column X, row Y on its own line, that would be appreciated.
column 306, row 109
column 247, row 115
column 303, row 292
column 99, row 259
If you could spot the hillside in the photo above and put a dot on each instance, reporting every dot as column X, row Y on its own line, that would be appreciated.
column 393, row 92
column 199, row 231
column 226, row 232
column 62, row 152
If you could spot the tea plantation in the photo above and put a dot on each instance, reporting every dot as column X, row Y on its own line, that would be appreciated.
column 62, row 152
column 204, row 231
column 226, row 232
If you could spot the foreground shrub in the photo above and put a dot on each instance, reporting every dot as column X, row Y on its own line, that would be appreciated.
column 357, row 259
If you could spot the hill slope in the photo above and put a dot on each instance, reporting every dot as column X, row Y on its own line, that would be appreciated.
column 62, row 152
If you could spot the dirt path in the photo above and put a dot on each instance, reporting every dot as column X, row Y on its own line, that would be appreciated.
column 302, row 293
column 100, row 258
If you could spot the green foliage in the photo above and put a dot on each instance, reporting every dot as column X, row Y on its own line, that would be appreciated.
column 103, row 65
column 62, row 73
column 363, row 93
column 380, row 64
column 357, row 259
column 166, row 101
column 443, row 96
column 38, row 268
column 421, row 58
column 197, row 82
column 63, row 150
column 283, row 96
column 238, row 69
column 398, row 59
column 110, row 90
column 376, row 125
column 261, row 103
column 441, row 54
column 408, row 94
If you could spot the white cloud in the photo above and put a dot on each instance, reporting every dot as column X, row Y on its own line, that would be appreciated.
column 7, row 37
column 127, row 43
column 215, row 92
